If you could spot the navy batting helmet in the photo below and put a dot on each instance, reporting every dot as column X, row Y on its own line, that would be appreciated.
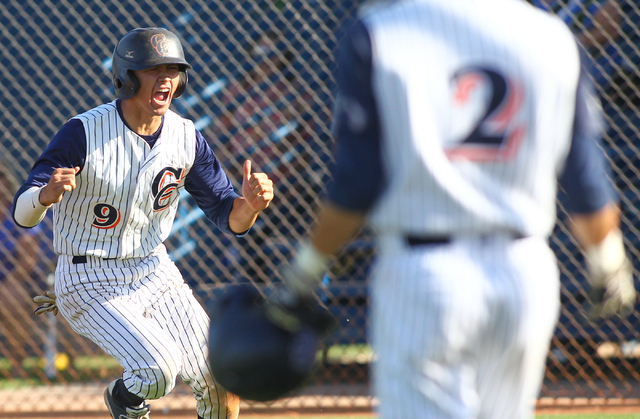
column 253, row 355
column 143, row 48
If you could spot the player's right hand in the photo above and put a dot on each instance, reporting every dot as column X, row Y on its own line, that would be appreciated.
column 295, row 304
column 62, row 180
column 613, row 294
column 610, row 274
column 291, row 311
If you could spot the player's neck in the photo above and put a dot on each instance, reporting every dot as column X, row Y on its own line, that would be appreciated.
column 140, row 122
column 145, row 127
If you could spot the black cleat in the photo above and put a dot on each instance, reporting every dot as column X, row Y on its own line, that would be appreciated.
column 118, row 412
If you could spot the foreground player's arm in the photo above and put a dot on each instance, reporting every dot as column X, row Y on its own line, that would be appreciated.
column 52, row 174
column 212, row 190
column 358, row 176
column 592, row 200
column 595, row 216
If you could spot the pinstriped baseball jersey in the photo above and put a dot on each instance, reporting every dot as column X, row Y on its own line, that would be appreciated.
column 127, row 193
column 461, row 154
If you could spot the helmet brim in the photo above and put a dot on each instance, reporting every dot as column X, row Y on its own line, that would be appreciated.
column 136, row 66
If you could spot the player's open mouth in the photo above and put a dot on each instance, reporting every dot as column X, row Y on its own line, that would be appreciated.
column 161, row 96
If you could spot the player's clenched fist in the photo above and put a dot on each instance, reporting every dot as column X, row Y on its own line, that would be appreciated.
column 62, row 180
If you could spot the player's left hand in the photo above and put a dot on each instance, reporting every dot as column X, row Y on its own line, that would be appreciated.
column 257, row 188
column 48, row 303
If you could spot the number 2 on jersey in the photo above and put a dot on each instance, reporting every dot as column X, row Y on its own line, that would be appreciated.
column 495, row 135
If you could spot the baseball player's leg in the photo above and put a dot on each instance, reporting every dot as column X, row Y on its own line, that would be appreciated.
column 512, row 361
column 108, row 301
column 428, row 311
column 185, row 319
column 149, row 356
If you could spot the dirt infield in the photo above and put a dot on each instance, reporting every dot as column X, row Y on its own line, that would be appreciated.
column 566, row 406
column 86, row 401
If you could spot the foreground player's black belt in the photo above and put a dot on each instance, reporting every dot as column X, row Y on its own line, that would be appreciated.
column 83, row 259
column 423, row 241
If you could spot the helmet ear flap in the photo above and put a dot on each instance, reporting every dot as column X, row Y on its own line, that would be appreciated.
column 121, row 88
column 117, row 83
column 126, row 85
column 135, row 83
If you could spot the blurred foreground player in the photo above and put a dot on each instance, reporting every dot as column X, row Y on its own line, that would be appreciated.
column 454, row 121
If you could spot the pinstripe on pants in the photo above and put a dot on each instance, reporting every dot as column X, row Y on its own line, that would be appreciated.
column 462, row 330
column 142, row 313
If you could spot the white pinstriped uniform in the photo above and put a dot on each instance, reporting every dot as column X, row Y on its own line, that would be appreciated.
column 129, row 297
column 488, row 302
column 119, row 175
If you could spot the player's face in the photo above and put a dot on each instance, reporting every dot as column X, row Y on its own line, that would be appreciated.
column 157, row 87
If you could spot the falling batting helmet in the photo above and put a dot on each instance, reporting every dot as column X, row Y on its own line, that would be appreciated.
column 252, row 354
column 143, row 48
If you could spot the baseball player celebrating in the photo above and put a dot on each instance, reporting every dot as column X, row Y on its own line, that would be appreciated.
column 112, row 177
column 454, row 119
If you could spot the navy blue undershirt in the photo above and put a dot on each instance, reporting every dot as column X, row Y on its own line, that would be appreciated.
column 358, row 175
column 206, row 182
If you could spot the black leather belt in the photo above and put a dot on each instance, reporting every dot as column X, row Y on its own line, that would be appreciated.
column 78, row 259
column 424, row 241
column 83, row 259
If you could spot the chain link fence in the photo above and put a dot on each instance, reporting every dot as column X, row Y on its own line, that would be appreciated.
column 261, row 88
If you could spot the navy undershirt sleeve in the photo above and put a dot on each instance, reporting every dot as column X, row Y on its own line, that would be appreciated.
column 67, row 149
column 357, row 175
column 586, row 176
column 209, row 185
